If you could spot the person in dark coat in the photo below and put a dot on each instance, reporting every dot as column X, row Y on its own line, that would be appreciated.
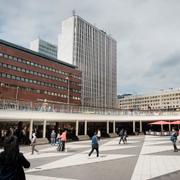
column 12, row 161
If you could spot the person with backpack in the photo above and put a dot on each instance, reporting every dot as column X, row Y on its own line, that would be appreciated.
column 12, row 161
column 173, row 138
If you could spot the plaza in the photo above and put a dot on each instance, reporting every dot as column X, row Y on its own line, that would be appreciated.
column 143, row 157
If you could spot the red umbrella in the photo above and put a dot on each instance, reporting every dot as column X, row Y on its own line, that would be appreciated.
column 160, row 122
column 175, row 122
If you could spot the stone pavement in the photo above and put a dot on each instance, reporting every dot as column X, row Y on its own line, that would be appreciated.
column 144, row 157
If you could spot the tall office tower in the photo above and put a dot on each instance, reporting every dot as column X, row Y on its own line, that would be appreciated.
column 94, row 52
column 44, row 47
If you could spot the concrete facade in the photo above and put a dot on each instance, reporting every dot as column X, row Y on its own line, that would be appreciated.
column 161, row 100
column 94, row 52
column 44, row 47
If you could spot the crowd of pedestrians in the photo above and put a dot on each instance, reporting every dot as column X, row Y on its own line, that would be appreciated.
column 12, row 161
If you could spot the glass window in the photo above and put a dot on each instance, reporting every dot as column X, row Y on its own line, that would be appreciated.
column 3, row 75
column 5, row 65
column 5, row 55
column 18, row 78
column 13, row 77
column 18, row 69
column 1, row 54
column 15, row 58
column 9, row 66
column 14, row 68
column 10, row 57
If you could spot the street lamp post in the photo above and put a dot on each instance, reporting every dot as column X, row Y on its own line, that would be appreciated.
column 67, row 78
column 17, row 91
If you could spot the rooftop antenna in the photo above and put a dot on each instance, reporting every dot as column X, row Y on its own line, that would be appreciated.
column 73, row 12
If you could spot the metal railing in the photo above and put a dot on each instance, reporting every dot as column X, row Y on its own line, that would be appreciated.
column 6, row 104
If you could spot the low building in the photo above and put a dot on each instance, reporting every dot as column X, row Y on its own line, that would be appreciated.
column 161, row 100
column 28, row 75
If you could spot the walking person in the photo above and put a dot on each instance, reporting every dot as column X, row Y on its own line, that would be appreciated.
column 174, row 139
column 95, row 145
column 125, row 137
column 53, row 137
column 33, row 142
column 99, row 134
column 121, row 134
column 63, row 139
column 12, row 161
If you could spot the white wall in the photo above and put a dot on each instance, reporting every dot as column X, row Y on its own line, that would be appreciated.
column 65, row 41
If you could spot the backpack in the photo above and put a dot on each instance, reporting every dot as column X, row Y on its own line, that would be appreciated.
column 172, row 138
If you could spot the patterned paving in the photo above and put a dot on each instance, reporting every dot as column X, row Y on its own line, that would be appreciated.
column 144, row 157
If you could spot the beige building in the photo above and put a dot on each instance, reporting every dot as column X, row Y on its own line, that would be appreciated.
column 161, row 100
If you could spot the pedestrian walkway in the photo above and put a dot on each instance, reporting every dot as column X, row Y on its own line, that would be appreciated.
column 143, row 157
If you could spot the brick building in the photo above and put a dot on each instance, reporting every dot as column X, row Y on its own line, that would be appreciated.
column 30, row 76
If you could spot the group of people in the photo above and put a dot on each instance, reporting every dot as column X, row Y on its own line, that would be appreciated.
column 61, row 139
column 123, row 136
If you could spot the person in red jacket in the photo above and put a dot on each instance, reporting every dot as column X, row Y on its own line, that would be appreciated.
column 63, row 138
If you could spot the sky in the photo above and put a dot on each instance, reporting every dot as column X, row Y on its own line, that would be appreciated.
column 147, row 34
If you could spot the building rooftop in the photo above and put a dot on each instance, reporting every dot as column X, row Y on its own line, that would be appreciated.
column 36, row 53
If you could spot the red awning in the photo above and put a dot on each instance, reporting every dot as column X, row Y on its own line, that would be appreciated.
column 160, row 122
column 175, row 122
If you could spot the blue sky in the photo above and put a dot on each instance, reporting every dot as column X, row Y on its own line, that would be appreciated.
column 147, row 34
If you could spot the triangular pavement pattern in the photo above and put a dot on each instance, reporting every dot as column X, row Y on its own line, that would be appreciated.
column 151, row 166
column 32, row 177
column 155, row 149
column 78, row 159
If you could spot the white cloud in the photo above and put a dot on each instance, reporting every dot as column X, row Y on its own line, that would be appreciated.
column 147, row 33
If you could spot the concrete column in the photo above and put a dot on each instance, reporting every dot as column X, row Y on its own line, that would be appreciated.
column 114, row 126
column 169, row 127
column 77, row 128
column 44, row 129
column 85, row 128
column 134, row 126
column 161, row 128
column 30, row 128
column 140, row 126
column 107, row 127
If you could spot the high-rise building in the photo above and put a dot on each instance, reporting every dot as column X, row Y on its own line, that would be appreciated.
column 94, row 52
column 44, row 47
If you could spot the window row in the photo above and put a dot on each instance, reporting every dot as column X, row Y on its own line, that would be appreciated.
column 32, row 72
column 13, row 77
column 36, row 65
